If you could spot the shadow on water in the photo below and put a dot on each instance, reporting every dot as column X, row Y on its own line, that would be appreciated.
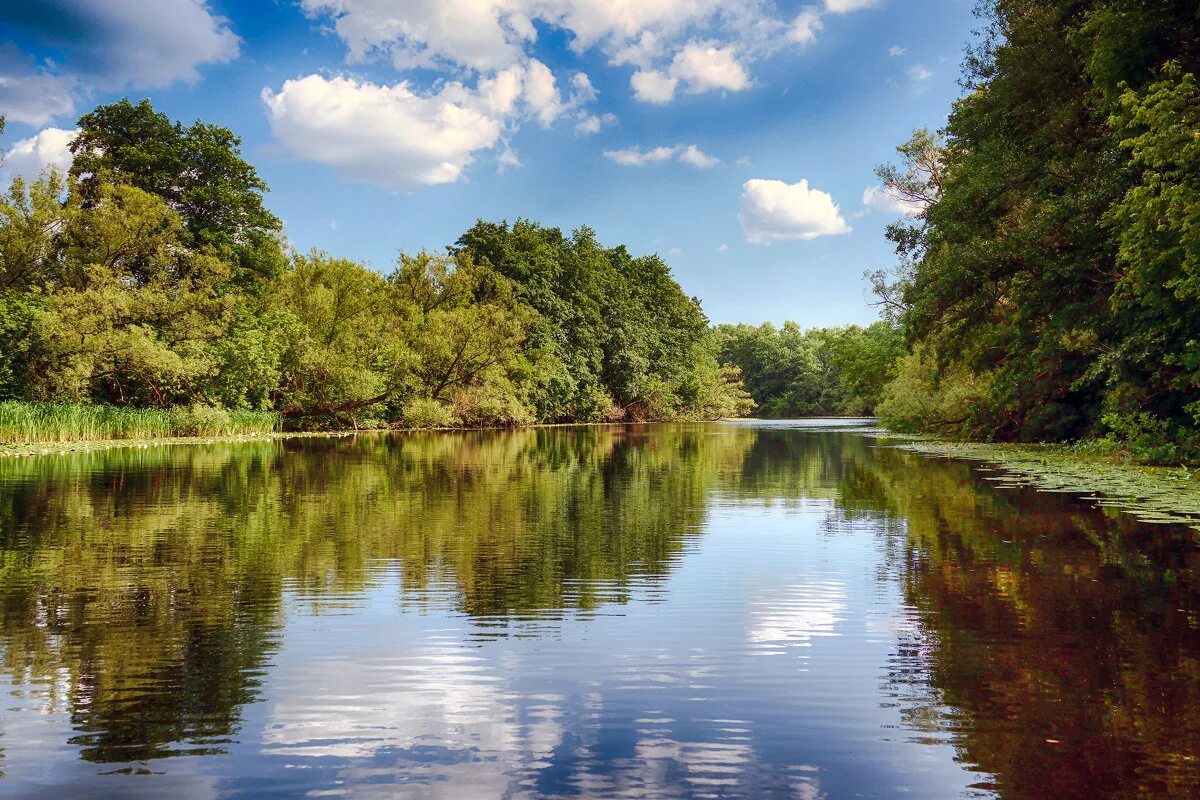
column 154, row 597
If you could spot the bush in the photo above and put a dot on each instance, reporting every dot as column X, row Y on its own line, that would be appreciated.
column 1146, row 438
column 921, row 398
column 425, row 412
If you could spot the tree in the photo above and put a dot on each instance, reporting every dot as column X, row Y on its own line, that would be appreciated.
column 198, row 170
column 1051, row 258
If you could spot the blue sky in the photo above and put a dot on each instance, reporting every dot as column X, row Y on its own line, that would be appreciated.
column 735, row 139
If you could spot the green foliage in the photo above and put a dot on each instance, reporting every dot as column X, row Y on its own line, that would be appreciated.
column 614, row 334
column 425, row 412
column 22, row 422
column 198, row 170
column 922, row 398
column 819, row 372
column 152, row 278
column 1058, row 250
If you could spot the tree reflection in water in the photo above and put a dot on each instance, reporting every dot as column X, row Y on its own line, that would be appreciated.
column 153, row 595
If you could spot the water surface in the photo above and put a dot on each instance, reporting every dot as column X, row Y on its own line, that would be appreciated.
column 734, row 610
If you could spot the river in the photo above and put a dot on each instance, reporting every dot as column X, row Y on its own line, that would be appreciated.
column 751, row 610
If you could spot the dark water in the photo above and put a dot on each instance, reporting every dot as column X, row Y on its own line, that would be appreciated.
column 675, row 611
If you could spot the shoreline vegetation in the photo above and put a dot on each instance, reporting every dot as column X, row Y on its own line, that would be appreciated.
column 1048, row 268
column 1153, row 494
column 151, row 276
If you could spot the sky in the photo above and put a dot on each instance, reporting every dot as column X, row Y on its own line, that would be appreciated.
column 737, row 140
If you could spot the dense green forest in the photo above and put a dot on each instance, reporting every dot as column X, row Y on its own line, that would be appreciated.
column 153, row 276
column 791, row 372
column 1048, row 289
column 1045, row 289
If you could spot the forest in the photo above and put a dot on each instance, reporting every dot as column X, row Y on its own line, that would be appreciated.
column 152, row 276
column 1047, row 275
column 1048, row 279
column 791, row 372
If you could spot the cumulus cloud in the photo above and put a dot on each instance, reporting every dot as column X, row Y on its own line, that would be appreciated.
column 139, row 43
column 686, row 154
column 491, row 34
column 589, row 124
column 30, row 94
column 480, row 34
column 704, row 67
column 879, row 199
column 896, row 50
column 919, row 73
column 806, row 26
column 698, row 158
column 700, row 66
column 700, row 45
column 636, row 157
column 652, row 86
column 775, row 211
column 398, row 136
column 47, row 148
column 582, row 90
column 390, row 136
column 846, row 6
column 541, row 92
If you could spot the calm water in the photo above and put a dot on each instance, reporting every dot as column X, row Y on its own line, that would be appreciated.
column 677, row 611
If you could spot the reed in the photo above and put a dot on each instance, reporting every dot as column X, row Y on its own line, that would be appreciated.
column 22, row 422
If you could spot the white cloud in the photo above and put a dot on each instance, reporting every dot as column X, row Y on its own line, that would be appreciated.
column 508, row 159
column 480, row 34
column 698, row 158
column 140, row 43
column 675, row 251
column 636, row 157
column 652, row 86
column 592, row 123
column 541, row 92
column 397, row 135
column 704, row 67
column 723, row 248
column 640, row 52
column 919, row 73
column 896, row 50
column 388, row 135
column 48, row 148
column 582, row 90
column 846, row 6
column 492, row 34
column 806, row 26
column 686, row 154
column 700, row 45
column 878, row 198
column 773, row 211
column 34, row 97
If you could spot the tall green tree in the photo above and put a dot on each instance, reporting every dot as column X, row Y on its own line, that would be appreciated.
column 1050, row 262
column 198, row 170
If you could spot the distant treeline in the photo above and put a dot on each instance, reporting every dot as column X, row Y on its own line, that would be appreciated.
column 1049, row 282
column 152, row 276
column 820, row 372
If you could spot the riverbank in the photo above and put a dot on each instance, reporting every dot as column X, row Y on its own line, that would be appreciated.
column 23, row 423
column 1152, row 494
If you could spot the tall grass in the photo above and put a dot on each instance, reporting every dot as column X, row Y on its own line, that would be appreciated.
column 22, row 422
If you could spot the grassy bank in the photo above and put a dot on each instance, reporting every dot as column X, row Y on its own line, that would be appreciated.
column 28, row 423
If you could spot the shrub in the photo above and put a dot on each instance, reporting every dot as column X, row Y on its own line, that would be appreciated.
column 425, row 412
